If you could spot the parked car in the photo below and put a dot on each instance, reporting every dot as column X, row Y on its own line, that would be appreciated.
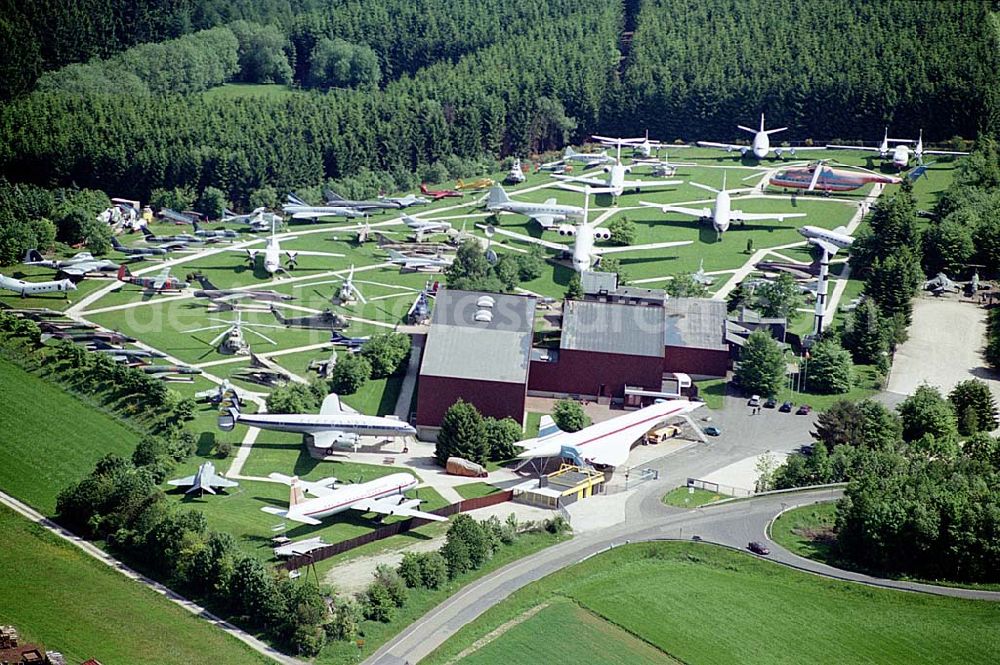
column 803, row 410
column 758, row 548
column 754, row 401
column 712, row 430
column 770, row 403
column 786, row 407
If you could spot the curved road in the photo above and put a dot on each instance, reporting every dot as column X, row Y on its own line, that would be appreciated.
column 732, row 524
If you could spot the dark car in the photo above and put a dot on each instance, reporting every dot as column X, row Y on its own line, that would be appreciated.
column 758, row 548
column 770, row 403
column 786, row 407
column 712, row 430
column 804, row 410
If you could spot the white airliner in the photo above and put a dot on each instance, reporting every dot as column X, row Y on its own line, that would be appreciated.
column 831, row 241
column 335, row 423
column 759, row 147
column 383, row 495
column 722, row 214
column 546, row 214
column 25, row 289
column 901, row 151
column 606, row 443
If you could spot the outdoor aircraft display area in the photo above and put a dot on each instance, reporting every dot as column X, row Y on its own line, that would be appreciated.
column 536, row 332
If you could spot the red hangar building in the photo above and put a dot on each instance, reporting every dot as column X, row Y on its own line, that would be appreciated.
column 478, row 349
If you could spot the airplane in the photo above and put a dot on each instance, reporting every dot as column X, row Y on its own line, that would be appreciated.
column 383, row 495
column 232, row 339
column 217, row 394
column 585, row 234
column 325, row 320
column 214, row 234
column 900, row 152
column 827, row 179
column 335, row 199
column 25, row 289
column 700, row 277
column 830, row 241
column 662, row 168
column 335, row 423
column 941, row 284
column 431, row 263
column 78, row 266
column 606, row 443
column 272, row 255
column 171, row 369
column 438, row 194
column 614, row 182
column 258, row 219
column 299, row 209
column 759, row 148
column 588, row 159
column 215, row 294
column 405, row 201
column 641, row 147
column 472, row 185
column 137, row 252
column 516, row 174
column 177, row 241
column 130, row 355
column 348, row 291
column 546, row 214
column 205, row 480
column 796, row 270
column 299, row 547
column 426, row 226
column 351, row 342
column 163, row 281
column 264, row 376
column 722, row 213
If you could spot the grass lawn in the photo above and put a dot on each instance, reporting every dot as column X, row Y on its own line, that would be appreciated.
column 672, row 596
column 808, row 531
column 51, row 438
column 713, row 391
column 63, row 599
column 681, row 497
column 533, row 422
column 866, row 383
column 542, row 639
column 420, row 601
column 476, row 490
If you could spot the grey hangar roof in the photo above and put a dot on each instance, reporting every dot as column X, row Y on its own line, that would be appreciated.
column 605, row 327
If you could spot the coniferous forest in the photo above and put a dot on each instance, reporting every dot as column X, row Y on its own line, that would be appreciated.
column 111, row 95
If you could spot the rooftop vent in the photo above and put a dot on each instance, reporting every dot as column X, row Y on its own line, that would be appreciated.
column 484, row 316
column 485, row 302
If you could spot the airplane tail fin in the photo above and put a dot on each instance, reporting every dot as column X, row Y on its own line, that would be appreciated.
column 332, row 196
column 204, row 281
column 277, row 314
column 32, row 255
column 423, row 188
column 295, row 495
column 569, row 152
column 228, row 418
column 497, row 196
column 147, row 233
column 123, row 273
column 842, row 230
column 116, row 243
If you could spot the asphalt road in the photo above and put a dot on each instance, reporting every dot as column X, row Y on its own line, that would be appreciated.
column 732, row 524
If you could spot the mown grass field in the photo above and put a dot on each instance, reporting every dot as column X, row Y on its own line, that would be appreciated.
column 476, row 490
column 808, row 531
column 681, row 497
column 50, row 438
column 58, row 596
column 704, row 605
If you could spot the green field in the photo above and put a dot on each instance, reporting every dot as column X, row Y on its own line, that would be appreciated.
column 808, row 531
column 681, row 497
column 51, row 438
column 543, row 639
column 476, row 490
column 867, row 382
column 701, row 604
column 60, row 597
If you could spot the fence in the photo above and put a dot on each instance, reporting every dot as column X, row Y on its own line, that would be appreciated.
column 300, row 560
column 718, row 488
column 632, row 478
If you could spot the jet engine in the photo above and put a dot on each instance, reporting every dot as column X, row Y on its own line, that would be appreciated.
column 602, row 234
column 566, row 230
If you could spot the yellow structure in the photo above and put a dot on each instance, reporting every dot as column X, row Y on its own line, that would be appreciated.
column 570, row 483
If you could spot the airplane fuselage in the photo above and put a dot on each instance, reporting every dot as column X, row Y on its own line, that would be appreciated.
column 840, row 240
column 722, row 212
column 761, row 145
column 831, row 180
column 557, row 211
column 24, row 288
column 347, row 495
column 306, row 423
column 316, row 212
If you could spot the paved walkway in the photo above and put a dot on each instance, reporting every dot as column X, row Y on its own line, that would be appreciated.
column 95, row 552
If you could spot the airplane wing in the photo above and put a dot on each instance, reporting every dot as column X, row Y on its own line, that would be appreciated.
column 518, row 236
column 740, row 216
column 182, row 482
column 693, row 212
column 854, row 147
column 311, row 215
column 309, row 253
column 396, row 505
column 944, row 152
column 639, row 184
column 635, row 248
column 596, row 182
column 545, row 221
column 219, row 481
column 724, row 146
column 161, row 278
column 77, row 270
column 828, row 246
